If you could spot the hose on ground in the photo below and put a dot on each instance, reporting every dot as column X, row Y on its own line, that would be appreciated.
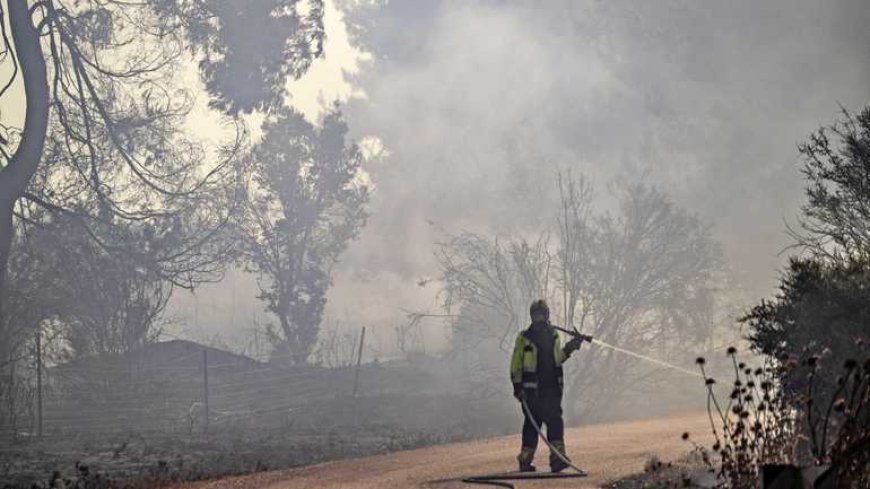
column 498, row 479
column 553, row 449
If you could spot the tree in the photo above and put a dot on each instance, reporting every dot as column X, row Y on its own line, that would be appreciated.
column 106, row 103
column 306, row 202
column 490, row 283
column 105, row 302
column 575, row 226
column 250, row 48
column 821, row 305
column 644, row 279
column 836, row 216
column 648, row 283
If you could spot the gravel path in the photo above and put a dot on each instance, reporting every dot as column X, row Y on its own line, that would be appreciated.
column 606, row 451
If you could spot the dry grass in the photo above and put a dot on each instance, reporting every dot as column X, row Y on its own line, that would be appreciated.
column 776, row 414
column 690, row 472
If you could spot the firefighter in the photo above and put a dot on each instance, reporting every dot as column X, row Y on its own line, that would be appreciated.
column 536, row 374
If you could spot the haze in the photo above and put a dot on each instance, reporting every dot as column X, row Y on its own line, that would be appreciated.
column 476, row 106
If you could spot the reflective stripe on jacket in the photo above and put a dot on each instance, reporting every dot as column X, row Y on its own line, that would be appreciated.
column 524, row 361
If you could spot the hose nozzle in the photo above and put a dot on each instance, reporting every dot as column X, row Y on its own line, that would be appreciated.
column 576, row 334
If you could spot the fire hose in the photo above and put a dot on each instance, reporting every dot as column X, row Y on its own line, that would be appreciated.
column 498, row 479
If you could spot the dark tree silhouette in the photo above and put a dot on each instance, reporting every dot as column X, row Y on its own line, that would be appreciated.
column 105, row 107
column 822, row 303
column 819, row 306
column 836, row 223
column 103, row 301
column 250, row 47
column 306, row 202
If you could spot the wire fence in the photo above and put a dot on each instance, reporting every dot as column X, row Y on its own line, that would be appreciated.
column 190, row 392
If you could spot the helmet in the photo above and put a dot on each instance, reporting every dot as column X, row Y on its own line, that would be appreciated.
column 539, row 310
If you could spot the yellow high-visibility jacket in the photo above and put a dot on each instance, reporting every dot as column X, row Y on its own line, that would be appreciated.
column 524, row 361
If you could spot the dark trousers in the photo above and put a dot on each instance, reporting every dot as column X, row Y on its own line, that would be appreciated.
column 546, row 408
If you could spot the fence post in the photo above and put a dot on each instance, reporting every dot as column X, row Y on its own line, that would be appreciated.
column 205, row 386
column 362, row 338
column 39, row 383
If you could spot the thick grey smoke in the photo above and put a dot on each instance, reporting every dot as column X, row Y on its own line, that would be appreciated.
column 480, row 103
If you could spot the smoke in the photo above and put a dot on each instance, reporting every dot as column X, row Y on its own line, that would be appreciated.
column 480, row 103
column 477, row 105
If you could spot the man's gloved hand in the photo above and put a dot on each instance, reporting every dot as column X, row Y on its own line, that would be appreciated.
column 575, row 342
column 519, row 393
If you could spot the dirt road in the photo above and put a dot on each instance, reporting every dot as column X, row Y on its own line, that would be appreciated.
column 606, row 451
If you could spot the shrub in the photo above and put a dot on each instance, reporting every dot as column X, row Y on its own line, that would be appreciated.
column 767, row 420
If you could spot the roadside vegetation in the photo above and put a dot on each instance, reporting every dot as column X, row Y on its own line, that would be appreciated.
column 801, row 398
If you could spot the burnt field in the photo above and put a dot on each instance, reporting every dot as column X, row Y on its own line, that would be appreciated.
column 178, row 411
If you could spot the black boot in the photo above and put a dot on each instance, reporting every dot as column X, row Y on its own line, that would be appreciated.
column 558, row 465
column 527, row 454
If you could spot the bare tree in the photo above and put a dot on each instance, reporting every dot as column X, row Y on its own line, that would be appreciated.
column 643, row 278
column 306, row 202
column 649, row 283
column 575, row 230
column 485, row 276
column 834, row 225
column 489, row 283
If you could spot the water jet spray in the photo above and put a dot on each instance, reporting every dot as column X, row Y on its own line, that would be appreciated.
column 596, row 341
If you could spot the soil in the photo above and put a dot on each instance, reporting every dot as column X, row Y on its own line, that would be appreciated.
column 608, row 452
